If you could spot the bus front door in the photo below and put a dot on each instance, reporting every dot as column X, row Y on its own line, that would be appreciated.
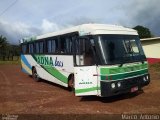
column 86, row 80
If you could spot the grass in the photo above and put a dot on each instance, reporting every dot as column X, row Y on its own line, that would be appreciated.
column 10, row 62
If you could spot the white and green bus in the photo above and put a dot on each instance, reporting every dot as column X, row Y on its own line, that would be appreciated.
column 94, row 59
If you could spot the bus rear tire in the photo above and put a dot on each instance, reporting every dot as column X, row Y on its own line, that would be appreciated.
column 35, row 75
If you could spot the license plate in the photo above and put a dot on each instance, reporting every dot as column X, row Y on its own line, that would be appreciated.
column 134, row 89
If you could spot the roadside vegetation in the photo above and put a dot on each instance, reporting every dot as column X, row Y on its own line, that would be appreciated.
column 9, row 54
column 15, row 61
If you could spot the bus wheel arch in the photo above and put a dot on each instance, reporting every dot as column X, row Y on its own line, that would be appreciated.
column 35, row 75
column 71, row 81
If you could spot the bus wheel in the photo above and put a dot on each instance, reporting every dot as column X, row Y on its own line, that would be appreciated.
column 71, row 82
column 35, row 75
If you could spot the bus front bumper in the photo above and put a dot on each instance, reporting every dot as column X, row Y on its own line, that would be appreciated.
column 111, row 88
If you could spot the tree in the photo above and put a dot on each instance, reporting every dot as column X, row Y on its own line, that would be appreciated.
column 3, row 46
column 3, row 42
column 143, row 32
column 7, row 50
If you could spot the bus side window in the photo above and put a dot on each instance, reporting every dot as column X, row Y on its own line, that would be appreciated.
column 88, row 55
column 79, row 50
column 52, row 45
column 49, row 46
column 62, row 45
column 66, row 45
column 41, row 47
column 37, row 47
column 80, row 46
column 24, row 49
column 31, row 48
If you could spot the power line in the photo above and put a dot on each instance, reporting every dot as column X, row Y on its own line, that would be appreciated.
column 5, row 10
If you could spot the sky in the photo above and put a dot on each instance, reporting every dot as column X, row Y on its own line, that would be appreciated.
column 24, row 18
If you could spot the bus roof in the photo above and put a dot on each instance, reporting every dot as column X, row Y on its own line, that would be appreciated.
column 92, row 29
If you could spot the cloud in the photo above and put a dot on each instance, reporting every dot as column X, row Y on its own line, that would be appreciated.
column 144, row 12
column 82, row 20
column 48, row 26
column 18, row 30
column 15, row 31
column 49, row 16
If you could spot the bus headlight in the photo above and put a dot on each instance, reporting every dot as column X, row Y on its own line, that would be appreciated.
column 119, row 84
column 113, row 85
column 144, row 79
column 147, row 77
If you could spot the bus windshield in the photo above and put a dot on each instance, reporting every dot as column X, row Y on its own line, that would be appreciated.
column 119, row 49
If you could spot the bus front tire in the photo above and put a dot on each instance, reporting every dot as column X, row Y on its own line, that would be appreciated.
column 35, row 75
column 71, row 82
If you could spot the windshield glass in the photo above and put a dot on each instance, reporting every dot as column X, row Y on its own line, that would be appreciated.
column 119, row 49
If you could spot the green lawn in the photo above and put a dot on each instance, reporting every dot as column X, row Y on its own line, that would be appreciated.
column 10, row 62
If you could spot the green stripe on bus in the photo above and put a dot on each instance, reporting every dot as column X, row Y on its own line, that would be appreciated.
column 115, row 70
column 53, row 71
column 86, row 90
column 124, row 75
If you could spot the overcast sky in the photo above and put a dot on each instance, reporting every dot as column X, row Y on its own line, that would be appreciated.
column 22, row 18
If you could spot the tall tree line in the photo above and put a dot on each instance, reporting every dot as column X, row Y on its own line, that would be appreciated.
column 8, row 51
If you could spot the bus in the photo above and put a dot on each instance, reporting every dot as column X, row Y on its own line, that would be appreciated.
column 91, row 59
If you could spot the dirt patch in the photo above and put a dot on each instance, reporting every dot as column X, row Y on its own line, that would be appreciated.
column 19, row 94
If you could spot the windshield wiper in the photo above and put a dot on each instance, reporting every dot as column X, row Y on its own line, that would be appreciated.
column 142, row 62
column 121, row 64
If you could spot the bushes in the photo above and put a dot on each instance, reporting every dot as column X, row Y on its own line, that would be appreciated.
column 10, row 53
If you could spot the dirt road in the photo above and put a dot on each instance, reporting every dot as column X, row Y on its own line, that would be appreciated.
column 19, row 94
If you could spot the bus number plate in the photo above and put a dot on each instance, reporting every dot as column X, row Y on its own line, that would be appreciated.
column 134, row 89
